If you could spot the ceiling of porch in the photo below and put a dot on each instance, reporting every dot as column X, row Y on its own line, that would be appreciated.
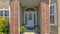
column 29, row 3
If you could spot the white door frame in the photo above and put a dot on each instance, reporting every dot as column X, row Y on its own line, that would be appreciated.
column 34, row 12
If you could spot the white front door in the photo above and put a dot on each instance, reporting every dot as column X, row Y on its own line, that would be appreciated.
column 29, row 19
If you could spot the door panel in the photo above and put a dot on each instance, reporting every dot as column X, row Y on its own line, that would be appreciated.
column 29, row 20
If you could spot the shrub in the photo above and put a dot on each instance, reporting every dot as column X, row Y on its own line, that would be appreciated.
column 38, row 28
column 22, row 28
column 4, row 25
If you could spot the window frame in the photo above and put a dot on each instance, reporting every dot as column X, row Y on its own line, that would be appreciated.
column 55, row 18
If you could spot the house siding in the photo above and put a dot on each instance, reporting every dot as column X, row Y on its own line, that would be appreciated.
column 52, row 1
column 54, row 29
column 4, row 4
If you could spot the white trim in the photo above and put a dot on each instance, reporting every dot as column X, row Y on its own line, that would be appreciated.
column 4, row 9
column 9, row 14
column 19, row 20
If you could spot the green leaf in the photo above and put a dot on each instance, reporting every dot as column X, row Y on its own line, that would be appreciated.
column 22, row 28
column 4, row 23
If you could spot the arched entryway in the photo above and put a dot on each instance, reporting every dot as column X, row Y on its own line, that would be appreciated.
column 30, row 18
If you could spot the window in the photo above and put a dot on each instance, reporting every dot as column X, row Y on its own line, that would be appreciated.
column 7, row 13
column 53, row 14
column 52, row 9
column 4, row 13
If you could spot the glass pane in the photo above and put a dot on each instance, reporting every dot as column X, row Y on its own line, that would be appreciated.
column 52, row 10
column 52, row 19
column 30, row 16
column 1, row 13
column 7, row 13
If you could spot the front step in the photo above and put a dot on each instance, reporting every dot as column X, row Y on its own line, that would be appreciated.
column 29, row 33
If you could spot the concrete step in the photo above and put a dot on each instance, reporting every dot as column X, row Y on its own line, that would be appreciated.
column 27, row 31
column 30, row 33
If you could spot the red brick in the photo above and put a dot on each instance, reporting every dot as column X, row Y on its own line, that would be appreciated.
column 45, row 17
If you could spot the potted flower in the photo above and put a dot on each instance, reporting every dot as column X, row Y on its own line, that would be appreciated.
column 22, row 28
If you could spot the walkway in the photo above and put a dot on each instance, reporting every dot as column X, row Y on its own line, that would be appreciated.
column 30, row 32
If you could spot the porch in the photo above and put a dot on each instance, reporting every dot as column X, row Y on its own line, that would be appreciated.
column 23, row 9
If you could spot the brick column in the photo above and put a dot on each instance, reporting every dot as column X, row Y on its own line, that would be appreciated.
column 45, row 17
column 14, row 8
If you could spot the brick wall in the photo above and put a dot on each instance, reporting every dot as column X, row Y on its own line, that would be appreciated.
column 45, row 25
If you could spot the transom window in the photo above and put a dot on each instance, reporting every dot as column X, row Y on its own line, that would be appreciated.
column 30, row 9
